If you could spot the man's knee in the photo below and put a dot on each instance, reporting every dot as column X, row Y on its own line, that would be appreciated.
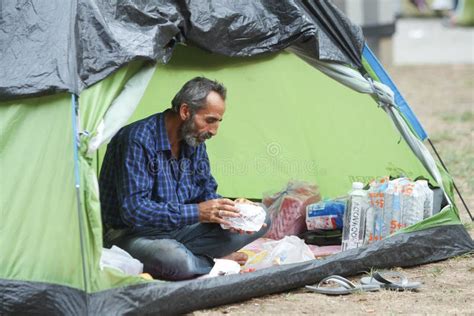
column 172, row 261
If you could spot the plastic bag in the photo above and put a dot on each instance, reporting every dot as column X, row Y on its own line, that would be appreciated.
column 121, row 260
column 429, row 198
column 222, row 267
column 288, row 208
column 252, row 218
column 288, row 250
column 396, row 204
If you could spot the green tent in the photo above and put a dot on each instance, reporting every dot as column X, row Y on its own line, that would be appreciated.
column 284, row 120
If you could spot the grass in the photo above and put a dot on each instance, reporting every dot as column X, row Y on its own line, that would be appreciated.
column 436, row 271
column 442, row 137
column 464, row 256
column 469, row 226
column 460, row 163
column 456, row 148
column 466, row 116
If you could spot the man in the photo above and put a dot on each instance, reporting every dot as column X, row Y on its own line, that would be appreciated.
column 158, row 197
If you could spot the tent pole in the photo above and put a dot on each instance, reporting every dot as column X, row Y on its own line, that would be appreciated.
column 75, row 114
column 454, row 184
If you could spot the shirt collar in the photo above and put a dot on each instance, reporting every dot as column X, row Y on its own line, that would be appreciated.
column 163, row 142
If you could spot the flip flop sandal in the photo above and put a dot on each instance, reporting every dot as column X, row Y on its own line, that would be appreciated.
column 391, row 280
column 345, row 286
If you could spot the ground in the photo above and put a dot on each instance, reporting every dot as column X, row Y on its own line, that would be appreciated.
column 442, row 96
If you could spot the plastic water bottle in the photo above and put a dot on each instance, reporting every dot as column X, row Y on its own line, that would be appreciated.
column 354, row 218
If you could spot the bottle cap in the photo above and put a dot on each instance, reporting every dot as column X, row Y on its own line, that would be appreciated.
column 357, row 185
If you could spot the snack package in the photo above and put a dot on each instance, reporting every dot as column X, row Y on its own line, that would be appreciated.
column 251, row 218
column 325, row 215
column 287, row 208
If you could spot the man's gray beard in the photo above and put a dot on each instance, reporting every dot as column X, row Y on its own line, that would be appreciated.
column 187, row 133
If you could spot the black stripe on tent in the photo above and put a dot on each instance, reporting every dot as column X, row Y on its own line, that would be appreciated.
column 402, row 250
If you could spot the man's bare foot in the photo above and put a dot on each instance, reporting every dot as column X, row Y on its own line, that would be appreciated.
column 239, row 257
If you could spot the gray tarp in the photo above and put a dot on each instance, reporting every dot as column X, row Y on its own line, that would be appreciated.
column 403, row 250
column 48, row 46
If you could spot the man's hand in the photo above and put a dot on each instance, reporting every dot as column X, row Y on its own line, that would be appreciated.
column 213, row 211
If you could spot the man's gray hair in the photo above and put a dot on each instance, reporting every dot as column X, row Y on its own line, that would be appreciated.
column 194, row 93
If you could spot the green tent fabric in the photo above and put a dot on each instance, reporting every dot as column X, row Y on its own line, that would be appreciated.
column 292, row 121
column 39, row 201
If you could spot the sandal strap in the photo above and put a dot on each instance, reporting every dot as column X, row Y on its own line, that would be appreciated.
column 391, row 278
column 339, row 280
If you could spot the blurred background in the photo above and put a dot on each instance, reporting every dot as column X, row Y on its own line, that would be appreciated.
column 427, row 46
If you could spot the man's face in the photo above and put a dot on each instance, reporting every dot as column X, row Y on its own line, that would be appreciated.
column 203, row 124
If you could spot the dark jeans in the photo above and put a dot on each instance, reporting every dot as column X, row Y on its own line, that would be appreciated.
column 181, row 254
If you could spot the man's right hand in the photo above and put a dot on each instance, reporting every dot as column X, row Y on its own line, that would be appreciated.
column 213, row 211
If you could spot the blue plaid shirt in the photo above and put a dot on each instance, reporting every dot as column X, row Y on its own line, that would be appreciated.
column 142, row 185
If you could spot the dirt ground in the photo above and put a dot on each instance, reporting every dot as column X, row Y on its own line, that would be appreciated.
column 443, row 99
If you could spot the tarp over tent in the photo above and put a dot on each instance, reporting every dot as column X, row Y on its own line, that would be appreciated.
column 91, row 55
column 98, row 37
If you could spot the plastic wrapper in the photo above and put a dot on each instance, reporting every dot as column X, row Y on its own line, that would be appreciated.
column 377, row 204
column 222, row 267
column 429, row 199
column 121, row 260
column 413, row 203
column 251, row 218
column 287, row 208
column 290, row 249
column 396, row 204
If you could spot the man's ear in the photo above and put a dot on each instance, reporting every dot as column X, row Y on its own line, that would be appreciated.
column 184, row 112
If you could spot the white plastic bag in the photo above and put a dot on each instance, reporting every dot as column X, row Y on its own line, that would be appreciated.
column 223, row 267
column 121, row 260
column 396, row 204
column 251, row 218
column 290, row 249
